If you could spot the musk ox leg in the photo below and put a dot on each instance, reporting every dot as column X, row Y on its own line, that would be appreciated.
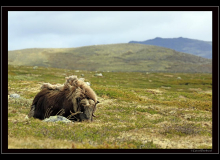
column 31, row 113
column 48, row 112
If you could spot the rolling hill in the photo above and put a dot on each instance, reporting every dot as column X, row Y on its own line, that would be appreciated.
column 186, row 45
column 126, row 57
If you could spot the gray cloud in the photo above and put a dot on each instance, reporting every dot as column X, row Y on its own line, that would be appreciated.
column 73, row 29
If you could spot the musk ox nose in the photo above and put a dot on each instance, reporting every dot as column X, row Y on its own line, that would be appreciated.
column 84, row 117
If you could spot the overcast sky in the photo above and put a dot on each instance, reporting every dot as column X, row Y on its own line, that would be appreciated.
column 37, row 29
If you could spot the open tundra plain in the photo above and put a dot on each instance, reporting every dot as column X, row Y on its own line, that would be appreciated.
column 136, row 110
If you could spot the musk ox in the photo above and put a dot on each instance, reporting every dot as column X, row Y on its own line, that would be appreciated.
column 74, row 100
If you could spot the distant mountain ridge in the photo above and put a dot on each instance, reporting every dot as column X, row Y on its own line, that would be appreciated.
column 186, row 45
column 125, row 57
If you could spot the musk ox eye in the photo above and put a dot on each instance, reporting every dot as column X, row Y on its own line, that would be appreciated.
column 84, row 102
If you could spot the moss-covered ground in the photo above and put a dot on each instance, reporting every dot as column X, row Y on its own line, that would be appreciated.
column 137, row 110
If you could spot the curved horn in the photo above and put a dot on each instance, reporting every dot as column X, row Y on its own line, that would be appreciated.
column 94, row 115
column 95, row 109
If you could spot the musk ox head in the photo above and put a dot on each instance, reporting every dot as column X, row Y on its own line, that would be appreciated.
column 87, row 108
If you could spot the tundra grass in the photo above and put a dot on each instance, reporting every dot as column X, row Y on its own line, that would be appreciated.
column 137, row 110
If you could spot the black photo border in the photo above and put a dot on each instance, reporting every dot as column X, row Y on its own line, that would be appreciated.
column 4, row 79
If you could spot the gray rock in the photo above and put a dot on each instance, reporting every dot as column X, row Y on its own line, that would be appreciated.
column 98, row 74
column 57, row 119
column 14, row 95
column 165, row 87
column 35, row 67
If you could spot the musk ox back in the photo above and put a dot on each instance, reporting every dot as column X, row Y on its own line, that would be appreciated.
column 74, row 100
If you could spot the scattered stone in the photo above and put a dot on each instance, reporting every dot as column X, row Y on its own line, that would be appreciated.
column 35, row 67
column 82, row 75
column 179, row 78
column 98, row 74
column 26, row 117
column 57, row 119
column 165, row 87
column 15, row 95
column 167, row 75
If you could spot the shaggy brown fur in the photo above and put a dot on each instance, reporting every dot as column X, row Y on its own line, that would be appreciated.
column 88, row 90
column 69, row 99
column 73, row 83
column 75, row 96
column 69, row 81
column 50, row 86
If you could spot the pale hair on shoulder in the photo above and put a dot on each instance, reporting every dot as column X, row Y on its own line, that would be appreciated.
column 72, row 82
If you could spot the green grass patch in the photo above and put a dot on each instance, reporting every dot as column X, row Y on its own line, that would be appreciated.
column 132, row 111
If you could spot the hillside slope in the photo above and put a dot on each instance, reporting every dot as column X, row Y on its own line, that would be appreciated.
column 186, row 45
column 113, row 57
